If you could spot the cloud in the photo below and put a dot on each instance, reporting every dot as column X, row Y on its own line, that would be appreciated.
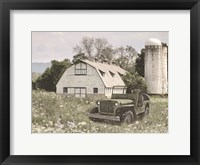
column 47, row 46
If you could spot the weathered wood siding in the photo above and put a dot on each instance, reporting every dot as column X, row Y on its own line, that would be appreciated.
column 89, row 81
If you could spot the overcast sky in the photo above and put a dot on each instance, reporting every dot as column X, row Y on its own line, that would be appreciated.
column 47, row 46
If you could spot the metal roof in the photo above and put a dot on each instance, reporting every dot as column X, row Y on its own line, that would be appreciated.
column 153, row 41
column 111, row 76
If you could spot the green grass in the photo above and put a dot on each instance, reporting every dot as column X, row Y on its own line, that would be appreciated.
column 52, row 113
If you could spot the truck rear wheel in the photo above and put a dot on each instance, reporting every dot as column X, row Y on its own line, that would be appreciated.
column 128, row 117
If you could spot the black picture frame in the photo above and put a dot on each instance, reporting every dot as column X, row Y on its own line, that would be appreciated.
column 7, row 5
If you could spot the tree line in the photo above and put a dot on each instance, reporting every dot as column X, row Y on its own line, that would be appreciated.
column 99, row 50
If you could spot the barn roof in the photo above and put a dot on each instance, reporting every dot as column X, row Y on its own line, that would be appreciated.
column 109, row 73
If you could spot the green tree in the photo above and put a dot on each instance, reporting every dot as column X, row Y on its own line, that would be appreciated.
column 125, row 58
column 133, row 81
column 80, row 56
column 107, row 54
column 99, row 49
column 34, row 85
column 100, row 45
column 85, row 46
column 50, row 77
column 139, row 63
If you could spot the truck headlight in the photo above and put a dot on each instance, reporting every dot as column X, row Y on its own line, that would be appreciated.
column 116, row 104
column 98, row 102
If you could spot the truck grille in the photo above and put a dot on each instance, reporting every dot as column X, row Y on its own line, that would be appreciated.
column 107, row 107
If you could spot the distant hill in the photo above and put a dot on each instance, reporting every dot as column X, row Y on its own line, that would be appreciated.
column 40, row 67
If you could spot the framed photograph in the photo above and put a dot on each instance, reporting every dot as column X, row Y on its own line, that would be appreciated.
column 99, row 82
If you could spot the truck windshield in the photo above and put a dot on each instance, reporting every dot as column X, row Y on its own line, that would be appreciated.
column 119, row 90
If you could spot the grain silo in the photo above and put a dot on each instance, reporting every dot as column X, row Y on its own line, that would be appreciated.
column 156, row 66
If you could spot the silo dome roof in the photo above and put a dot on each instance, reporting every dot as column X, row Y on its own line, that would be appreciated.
column 153, row 41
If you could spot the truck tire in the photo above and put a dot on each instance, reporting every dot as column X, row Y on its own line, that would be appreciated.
column 128, row 117
column 94, row 110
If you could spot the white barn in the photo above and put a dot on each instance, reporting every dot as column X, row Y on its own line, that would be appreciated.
column 90, row 79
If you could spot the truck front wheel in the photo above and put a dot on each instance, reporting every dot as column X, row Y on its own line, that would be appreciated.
column 128, row 117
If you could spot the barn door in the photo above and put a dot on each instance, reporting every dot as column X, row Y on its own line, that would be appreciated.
column 80, row 92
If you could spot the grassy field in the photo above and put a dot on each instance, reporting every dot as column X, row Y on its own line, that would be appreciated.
column 53, row 113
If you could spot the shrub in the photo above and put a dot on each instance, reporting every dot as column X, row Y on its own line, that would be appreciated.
column 50, row 77
column 133, row 81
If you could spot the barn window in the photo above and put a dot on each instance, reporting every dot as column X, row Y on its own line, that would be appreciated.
column 65, row 90
column 80, row 69
column 95, row 90
column 112, row 74
column 121, row 75
column 80, row 92
column 102, row 73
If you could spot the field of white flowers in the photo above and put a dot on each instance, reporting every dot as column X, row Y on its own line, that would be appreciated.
column 52, row 113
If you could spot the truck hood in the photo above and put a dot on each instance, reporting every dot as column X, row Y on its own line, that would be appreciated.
column 123, row 101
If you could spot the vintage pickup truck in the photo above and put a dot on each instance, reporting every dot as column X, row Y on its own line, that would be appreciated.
column 122, row 107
